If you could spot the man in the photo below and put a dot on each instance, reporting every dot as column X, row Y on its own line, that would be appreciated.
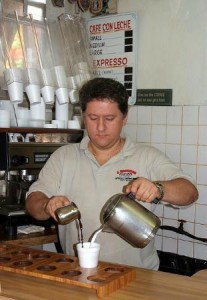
column 102, row 165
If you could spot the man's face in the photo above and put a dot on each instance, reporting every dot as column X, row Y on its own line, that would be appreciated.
column 103, row 121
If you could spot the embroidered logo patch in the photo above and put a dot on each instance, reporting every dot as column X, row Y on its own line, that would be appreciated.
column 126, row 175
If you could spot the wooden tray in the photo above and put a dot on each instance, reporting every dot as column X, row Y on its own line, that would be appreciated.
column 105, row 279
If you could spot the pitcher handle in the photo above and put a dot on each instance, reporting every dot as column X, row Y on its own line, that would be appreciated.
column 133, row 197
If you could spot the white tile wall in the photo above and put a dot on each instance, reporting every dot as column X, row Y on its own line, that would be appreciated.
column 181, row 133
column 189, row 135
column 202, row 115
column 173, row 134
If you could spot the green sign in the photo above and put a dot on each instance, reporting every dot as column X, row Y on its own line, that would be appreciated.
column 154, row 97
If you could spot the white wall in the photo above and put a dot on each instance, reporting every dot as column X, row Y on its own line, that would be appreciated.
column 172, row 47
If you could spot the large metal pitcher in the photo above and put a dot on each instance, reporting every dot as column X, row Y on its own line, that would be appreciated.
column 130, row 220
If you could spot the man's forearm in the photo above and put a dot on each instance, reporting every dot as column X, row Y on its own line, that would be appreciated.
column 35, row 205
column 179, row 192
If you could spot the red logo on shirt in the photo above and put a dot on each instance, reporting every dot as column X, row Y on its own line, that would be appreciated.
column 126, row 174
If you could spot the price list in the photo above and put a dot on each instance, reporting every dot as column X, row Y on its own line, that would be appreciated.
column 113, row 48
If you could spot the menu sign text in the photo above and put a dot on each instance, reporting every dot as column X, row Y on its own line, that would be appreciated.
column 113, row 48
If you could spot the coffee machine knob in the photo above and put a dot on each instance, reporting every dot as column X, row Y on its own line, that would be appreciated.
column 18, row 160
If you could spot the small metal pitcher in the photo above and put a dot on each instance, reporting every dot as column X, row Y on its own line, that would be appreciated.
column 130, row 220
column 67, row 214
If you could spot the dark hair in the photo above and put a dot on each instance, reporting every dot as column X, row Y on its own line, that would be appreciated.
column 104, row 88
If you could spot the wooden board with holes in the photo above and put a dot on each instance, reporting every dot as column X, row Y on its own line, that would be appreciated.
column 104, row 279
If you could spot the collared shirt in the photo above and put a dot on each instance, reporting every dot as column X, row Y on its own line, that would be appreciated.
column 73, row 171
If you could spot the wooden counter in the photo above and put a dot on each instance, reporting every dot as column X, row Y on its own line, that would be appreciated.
column 148, row 285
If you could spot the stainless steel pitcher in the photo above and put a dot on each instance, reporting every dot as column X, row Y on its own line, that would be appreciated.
column 67, row 214
column 130, row 220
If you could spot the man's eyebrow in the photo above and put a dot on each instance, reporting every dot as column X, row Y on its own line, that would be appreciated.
column 92, row 114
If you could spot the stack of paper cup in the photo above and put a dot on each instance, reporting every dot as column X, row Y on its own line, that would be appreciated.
column 4, row 118
column 61, row 111
column 62, row 85
column 8, row 105
column 23, row 116
column 48, row 89
column 62, row 95
column 48, row 94
column 32, row 88
column 14, row 81
column 74, row 124
column 37, row 110
column 33, row 93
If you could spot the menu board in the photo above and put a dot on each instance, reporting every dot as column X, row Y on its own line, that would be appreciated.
column 113, row 47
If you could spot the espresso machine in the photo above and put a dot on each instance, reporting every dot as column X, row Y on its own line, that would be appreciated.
column 22, row 155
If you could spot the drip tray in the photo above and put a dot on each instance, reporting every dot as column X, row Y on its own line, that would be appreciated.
column 180, row 264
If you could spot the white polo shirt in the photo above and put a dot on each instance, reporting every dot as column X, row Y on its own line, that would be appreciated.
column 72, row 171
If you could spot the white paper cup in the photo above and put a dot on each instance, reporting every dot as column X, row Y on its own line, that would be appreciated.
column 74, row 124
column 15, row 90
column 37, row 110
column 33, row 93
column 73, row 96
column 14, row 81
column 4, row 118
column 61, row 111
column 88, row 255
column 8, row 105
column 62, row 95
column 59, row 123
column 48, row 94
column 78, row 118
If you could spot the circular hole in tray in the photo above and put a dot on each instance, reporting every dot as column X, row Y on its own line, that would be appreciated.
column 20, row 252
column 46, row 268
column 41, row 256
column 97, row 278
column 4, row 259
column 71, row 273
column 114, row 270
column 64, row 260
column 22, row 263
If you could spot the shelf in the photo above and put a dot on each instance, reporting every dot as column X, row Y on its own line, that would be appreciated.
column 49, row 235
column 41, row 130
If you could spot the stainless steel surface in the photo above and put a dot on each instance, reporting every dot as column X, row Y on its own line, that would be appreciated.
column 20, row 164
column 12, row 210
column 130, row 220
column 67, row 214
column 2, row 174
